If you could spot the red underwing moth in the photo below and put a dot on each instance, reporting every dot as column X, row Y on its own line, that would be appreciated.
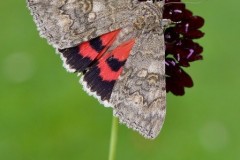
column 118, row 48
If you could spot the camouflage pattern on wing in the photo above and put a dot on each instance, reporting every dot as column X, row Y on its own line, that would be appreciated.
column 139, row 95
column 67, row 23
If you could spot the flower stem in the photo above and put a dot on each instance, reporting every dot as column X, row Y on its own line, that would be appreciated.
column 113, row 140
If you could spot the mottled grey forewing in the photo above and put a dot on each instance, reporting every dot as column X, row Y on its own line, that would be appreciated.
column 139, row 96
column 67, row 23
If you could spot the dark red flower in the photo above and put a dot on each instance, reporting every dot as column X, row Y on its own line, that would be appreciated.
column 180, row 47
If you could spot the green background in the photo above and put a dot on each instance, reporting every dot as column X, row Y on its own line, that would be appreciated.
column 45, row 115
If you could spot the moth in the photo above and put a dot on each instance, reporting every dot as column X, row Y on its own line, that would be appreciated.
column 118, row 48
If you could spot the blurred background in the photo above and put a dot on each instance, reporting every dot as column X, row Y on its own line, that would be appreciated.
column 45, row 115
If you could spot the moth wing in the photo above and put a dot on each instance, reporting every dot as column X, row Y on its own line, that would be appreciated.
column 139, row 95
column 68, row 23
column 79, row 58
column 101, row 77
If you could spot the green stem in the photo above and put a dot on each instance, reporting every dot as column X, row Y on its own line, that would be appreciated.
column 113, row 140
